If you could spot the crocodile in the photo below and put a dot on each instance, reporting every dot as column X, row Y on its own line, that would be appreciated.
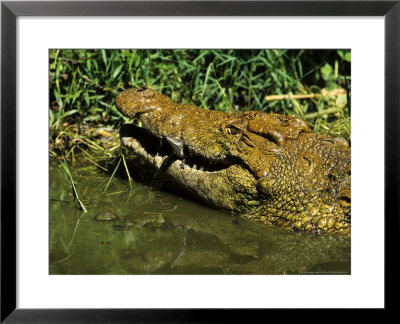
column 267, row 167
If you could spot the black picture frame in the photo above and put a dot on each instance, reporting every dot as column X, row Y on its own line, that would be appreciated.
column 10, row 10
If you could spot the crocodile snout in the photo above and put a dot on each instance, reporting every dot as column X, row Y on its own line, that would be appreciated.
column 135, row 101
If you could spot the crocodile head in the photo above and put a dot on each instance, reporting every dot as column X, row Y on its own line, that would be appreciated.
column 268, row 167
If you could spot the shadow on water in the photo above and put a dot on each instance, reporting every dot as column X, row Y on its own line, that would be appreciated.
column 155, row 232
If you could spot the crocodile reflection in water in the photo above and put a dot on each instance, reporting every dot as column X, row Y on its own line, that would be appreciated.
column 268, row 167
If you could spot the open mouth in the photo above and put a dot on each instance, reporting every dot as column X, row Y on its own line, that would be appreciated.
column 162, row 152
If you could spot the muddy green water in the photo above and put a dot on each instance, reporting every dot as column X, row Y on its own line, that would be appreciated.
column 159, row 233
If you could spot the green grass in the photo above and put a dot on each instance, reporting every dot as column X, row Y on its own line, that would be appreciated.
column 64, row 164
column 84, row 84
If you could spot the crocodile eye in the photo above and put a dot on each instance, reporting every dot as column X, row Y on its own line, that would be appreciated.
column 330, row 141
column 233, row 130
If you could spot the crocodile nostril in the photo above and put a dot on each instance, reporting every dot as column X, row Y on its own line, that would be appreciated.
column 141, row 89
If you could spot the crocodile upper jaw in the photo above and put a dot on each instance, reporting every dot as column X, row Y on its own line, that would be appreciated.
column 165, row 150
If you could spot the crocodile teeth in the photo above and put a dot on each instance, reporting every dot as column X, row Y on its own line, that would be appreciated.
column 201, row 168
column 195, row 166
column 176, row 144
column 158, row 159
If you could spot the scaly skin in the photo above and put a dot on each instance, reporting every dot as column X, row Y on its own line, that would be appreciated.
column 269, row 167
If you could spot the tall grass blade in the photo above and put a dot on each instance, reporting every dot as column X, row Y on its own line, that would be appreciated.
column 112, row 175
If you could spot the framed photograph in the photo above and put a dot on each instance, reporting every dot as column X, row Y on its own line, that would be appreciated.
column 184, row 160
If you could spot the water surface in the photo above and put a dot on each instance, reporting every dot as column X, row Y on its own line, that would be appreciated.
column 159, row 233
